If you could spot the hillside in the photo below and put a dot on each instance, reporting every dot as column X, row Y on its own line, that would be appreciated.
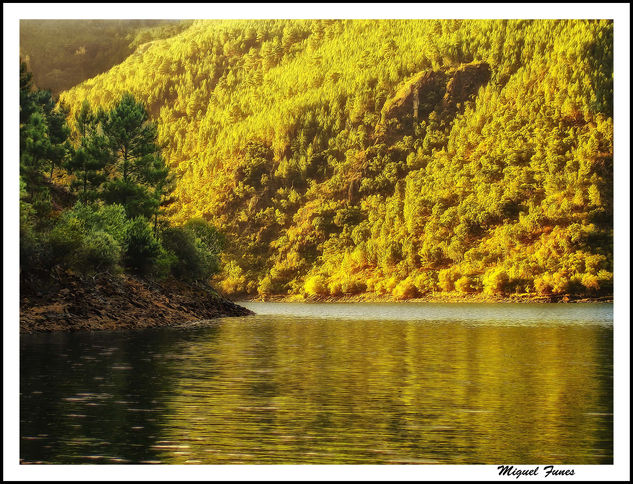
column 388, row 157
column 63, row 53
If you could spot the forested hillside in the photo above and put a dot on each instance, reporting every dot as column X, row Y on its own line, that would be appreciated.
column 62, row 53
column 390, row 157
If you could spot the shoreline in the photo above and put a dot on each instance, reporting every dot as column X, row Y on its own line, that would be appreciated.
column 451, row 297
column 71, row 303
column 68, row 302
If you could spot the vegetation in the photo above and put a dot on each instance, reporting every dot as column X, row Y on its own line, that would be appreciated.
column 62, row 53
column 113, row 166
column 391, row 157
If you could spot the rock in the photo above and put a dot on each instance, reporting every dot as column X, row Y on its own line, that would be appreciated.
column 117, row 302
column 428, row 91
column 465, row 82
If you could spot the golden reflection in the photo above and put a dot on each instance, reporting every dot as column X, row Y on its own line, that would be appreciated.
column 368, row 392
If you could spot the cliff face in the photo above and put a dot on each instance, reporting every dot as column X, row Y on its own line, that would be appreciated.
column 465, row 82
column 428, row 91
column 416, row 98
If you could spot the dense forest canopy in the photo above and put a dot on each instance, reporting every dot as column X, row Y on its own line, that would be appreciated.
column 394, row 157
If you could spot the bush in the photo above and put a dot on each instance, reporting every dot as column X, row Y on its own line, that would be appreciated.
column 141, row 247
column 560, row 282
column 334, row 287
column 187, row 262
column 233, row 285
column 425, row 282
column 138, row 202
column 496, row 281
column 405, row 290
column 35, row 251
column 447, row 278
column 353, row 286
column 98, row 252
column 316, row 286
column 107, row 218
column 65, row 240
column 266, row 287
column 386, row 286
column 196, row 247
column 466, row 284
column 605, row 280
column 163, row 264
column 206, row 234
column 234, row 280
column 542, row 284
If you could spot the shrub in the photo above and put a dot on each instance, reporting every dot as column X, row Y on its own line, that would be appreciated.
column 206, row 234
column 138, row 202
column 316, row 286
column 161, row 268
column 266, row 287
column 466, row 284
column 353, row 286
column 35, row 251
column 141, row 247
column 542, row 284
column 425, row 282
column 605, row 280
column 209, row 242
column 560, row 282
column 98, row 252
column 187, row 262
column 386, row 286
column 234, row 280
column 496, row 281
column 107, row 218
column 405, row 290
column 233, row 285
column 447, row 278
column 335, row 289
column 65, row 240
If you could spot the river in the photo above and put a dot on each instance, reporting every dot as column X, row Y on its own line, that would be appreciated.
column 389, row 383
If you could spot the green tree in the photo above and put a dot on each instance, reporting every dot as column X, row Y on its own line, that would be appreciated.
column 140, row 176
column 43, row 141
column 55, row 114
column 91, row 157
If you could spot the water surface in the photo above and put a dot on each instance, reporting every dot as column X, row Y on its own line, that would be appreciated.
column 391, row 383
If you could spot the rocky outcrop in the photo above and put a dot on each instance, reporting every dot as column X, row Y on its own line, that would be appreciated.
column 465, row 82
column 70, row 303
column 416, row 98
column 428, row 91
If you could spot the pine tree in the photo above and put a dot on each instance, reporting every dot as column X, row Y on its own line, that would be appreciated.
column 58, row 132
column 91, row 157
column 140, row 178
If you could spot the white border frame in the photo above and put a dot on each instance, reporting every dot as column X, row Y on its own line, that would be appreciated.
column 14, row 11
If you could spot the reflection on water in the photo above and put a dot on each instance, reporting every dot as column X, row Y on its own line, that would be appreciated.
column 276, row 388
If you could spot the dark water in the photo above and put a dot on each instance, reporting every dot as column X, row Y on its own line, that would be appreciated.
column 329, row 384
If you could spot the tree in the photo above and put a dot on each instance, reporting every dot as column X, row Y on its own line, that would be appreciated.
column 43, row 140
column 477, row 182
column 91, row 156
column 58, row 132
column 140, row 178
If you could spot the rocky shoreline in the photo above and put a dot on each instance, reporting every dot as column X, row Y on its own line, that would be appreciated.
column 65, row 302
column 439, row 297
